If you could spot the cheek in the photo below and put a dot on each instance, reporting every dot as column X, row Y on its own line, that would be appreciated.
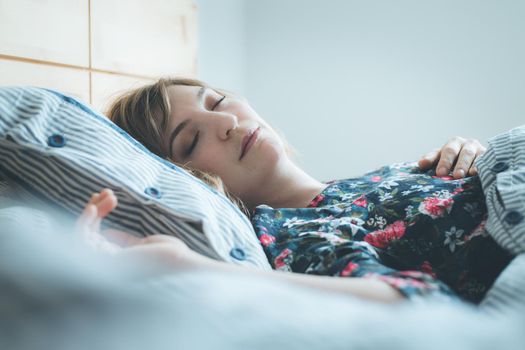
column 210, row 161
column 203, row 163
column 218, row 163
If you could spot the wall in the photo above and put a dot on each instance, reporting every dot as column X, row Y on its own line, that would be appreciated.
column 358, row 84
column 222, row 43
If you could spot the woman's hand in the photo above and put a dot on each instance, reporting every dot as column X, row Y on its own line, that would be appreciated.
column 458, row 153
column 165, row 252
column 88, row 224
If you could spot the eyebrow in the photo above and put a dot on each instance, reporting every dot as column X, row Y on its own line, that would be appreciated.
column 182, row 125
column 200, row 94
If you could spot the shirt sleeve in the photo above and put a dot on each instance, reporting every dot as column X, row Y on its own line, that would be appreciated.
column 411, row 284
column 357, row 259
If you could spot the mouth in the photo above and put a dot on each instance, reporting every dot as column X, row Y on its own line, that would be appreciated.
column 248, row 141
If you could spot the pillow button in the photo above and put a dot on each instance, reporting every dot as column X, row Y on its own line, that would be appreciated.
column 153, row 192
column 238, row 254
column 513, row 218
column 56, row 140
column 500, row 166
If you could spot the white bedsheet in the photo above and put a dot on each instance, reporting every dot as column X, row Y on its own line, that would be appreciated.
column 55, row 295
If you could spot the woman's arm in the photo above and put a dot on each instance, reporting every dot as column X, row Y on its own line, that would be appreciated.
column 366, row 288
column 169, row 254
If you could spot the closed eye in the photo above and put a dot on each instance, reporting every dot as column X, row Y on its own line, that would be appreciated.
column 218, row 103
column 190, row 149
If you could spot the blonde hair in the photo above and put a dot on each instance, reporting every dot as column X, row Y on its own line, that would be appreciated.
column 144, row 113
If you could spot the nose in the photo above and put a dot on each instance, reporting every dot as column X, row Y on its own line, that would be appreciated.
column 225, row 123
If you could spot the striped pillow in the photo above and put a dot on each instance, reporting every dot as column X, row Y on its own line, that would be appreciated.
column 62, row 151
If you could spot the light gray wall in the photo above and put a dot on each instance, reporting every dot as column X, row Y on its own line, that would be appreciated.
column 358, row 84
column 222, row 43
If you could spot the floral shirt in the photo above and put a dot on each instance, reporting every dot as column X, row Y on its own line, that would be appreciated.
column 422, row 234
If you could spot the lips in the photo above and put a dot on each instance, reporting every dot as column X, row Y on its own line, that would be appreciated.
column 248, row 141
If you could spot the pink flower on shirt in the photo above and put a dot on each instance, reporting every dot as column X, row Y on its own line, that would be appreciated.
column 381, row 238
column 266, row 239
column 280, row 262
column 361, row 201
column 315, row 202
column 347, row 271
column 435, row 207
column 375, row 178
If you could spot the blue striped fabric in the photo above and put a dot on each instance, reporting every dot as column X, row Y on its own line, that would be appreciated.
column 502, row 174
column 88, row 153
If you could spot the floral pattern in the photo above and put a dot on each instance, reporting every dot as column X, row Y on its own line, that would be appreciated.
column 420, row 233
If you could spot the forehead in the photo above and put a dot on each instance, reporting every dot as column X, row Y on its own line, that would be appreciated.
column 183, row 99
column 183, row 93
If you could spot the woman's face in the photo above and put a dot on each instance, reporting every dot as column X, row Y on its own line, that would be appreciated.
column 224, row 136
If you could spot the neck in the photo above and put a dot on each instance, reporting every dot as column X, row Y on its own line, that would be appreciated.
column 290, row 188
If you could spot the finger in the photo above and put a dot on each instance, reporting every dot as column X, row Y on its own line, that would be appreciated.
column 106, row 205
column 100, row 205
column 465, row 159
column 88, row 215
column 106, row 192
column 98, row 197
column 474, row 169
column 121, row 238
column 449, row 154
column 429, row 159
column 86, row 221
column 94, row 198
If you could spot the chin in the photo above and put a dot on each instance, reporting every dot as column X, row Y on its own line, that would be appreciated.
column 273, row 151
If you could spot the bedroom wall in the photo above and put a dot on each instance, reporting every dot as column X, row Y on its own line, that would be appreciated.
column 358, row 84
column 222, row 43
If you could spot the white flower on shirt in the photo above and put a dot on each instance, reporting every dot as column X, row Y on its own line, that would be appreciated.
column 377, row 221
column 332, row 237
column 385, row 196
column 453, row 238
column 421, row 188
column 388, row 184
column 409, row 211
column 443, row 194
column 293, row 222
column 355, row 224
column 369, row 249
column 349, row 196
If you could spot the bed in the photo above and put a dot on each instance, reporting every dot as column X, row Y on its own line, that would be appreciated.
column 56, row 148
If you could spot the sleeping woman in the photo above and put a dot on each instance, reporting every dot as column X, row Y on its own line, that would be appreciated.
column 405, row 230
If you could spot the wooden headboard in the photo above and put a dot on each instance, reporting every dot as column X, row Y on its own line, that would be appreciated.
column 94, row 49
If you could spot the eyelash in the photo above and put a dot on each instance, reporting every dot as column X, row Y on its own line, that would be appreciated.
column 218, row 102
column 189, row 151
column 193, row 145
